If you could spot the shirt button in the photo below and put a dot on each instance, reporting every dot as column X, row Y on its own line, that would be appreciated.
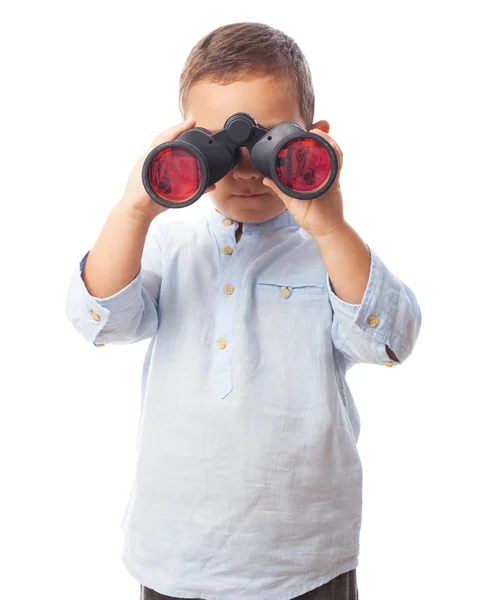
column 285, row 292
column 229, row 289
column 222, row 343
column 228, row 250
column 95, row 316
column 227, row 222
column 388, row 363
column 373, row 321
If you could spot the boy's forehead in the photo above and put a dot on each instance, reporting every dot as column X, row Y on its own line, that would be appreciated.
column 269, row 101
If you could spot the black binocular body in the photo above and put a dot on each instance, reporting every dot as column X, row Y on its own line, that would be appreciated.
column 302, row 164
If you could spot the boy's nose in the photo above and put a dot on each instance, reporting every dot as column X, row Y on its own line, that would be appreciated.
column 244, row 168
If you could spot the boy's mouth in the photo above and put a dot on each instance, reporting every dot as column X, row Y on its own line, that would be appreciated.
column 248, row 195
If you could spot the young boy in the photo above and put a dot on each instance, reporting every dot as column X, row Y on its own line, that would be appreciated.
column 248, row 482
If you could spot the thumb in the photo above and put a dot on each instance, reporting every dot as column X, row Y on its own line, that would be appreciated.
column 270, row 184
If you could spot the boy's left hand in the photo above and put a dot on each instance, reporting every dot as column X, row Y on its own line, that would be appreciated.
column 320, row 215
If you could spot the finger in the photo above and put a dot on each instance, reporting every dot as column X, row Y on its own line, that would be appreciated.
column 270, row 183
column 333, row 143
column 172, row 133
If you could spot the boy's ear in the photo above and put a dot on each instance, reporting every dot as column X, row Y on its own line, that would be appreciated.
column 322, row 125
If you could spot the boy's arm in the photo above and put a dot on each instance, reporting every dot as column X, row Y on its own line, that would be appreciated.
column 113, row 293
column 376, row 316
column 114, row 260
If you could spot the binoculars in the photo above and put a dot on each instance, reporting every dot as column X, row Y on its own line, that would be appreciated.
column 302, row 164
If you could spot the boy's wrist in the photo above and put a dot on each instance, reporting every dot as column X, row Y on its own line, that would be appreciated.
column 139, row 215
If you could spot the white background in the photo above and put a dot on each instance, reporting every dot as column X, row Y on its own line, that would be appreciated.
column 86, row 88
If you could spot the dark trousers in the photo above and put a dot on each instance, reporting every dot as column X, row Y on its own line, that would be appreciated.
column 343, row 587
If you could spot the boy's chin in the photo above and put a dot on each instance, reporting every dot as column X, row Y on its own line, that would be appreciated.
column 253, row 210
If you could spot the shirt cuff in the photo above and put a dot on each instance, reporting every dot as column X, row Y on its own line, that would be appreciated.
column 374, row 317
column 91, row 314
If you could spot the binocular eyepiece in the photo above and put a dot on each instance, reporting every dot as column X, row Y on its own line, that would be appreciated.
column 302, row 164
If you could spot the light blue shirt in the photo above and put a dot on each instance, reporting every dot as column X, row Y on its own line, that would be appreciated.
column 248, row 482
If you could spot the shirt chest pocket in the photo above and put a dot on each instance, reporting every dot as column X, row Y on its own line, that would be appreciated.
column 299, row 300
column 290, row 343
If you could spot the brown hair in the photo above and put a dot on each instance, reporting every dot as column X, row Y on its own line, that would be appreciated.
column 239, row 50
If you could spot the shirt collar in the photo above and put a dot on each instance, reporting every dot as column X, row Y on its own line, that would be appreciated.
column 218, row 221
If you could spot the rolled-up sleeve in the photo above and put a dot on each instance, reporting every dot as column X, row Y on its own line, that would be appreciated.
column 388, row 315
column 128, row 316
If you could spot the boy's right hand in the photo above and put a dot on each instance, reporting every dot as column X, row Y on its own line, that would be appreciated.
column 135, row 197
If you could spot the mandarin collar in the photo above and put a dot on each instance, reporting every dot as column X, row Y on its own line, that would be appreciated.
column 218, row 221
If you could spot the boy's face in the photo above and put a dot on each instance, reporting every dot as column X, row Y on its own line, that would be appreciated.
column 269, row 102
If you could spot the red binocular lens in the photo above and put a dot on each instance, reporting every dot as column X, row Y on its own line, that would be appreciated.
column 303, row 165
column 175, row 174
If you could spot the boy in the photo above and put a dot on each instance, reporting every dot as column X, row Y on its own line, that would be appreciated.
column 248, row 481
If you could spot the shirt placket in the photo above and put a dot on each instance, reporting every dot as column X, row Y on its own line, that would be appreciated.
column 232, row 261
